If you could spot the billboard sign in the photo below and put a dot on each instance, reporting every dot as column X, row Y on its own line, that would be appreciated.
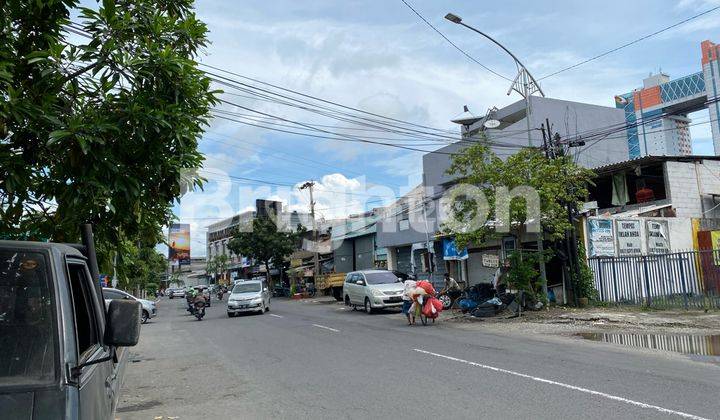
column 602, row 239
column 658, row 238
column 629, row 241
column 179, row 244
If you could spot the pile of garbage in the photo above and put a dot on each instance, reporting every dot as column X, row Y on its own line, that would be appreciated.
column 424, row 300
column 483, row 300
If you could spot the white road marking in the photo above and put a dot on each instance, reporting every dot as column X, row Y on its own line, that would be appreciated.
column 276, row 316
column 573, row 387
column 325, row 328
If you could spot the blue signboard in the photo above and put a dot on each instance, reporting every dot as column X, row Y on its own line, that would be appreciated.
column 450, row 251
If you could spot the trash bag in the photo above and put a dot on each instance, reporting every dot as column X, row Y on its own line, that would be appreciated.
column 483, row 311
column 427, row 286
column 418, row 291
column 429, row 310
column 495, row 301
column 506, row 298
column 467, row 304
column 485, row 291
column 437, row 304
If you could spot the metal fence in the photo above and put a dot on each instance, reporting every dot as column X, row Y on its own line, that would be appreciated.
column 688, row 279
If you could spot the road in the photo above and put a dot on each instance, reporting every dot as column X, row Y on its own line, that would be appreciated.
column 321, row 360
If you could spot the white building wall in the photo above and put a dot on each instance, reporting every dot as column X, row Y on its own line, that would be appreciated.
column 682, row 188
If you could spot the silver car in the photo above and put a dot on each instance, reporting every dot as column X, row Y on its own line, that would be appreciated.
column 149, row 310
column 249, row 296
column 372, row 289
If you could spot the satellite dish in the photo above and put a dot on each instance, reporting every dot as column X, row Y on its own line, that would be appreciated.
column 466, row 118
column 491, row 124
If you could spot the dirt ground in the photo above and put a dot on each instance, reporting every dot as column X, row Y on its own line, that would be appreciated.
column 560, row 320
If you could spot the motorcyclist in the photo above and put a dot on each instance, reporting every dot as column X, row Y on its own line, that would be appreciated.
column 200, row 298
column 190, row 296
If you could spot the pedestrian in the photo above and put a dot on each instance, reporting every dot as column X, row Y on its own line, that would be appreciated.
column 451, row 288
column 410, row 285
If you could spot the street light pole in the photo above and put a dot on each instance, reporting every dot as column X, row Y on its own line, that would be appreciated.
column 524, row 84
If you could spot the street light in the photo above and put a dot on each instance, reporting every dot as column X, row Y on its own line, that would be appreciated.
column 524, row 84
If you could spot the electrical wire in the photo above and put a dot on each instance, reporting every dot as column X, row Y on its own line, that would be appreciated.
column 469, row 57
column 627, row 44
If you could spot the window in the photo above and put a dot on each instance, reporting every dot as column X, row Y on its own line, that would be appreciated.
column 82, row 295
column 112, row 294
column 246, row 288
column 382, row 278
column 28, row 344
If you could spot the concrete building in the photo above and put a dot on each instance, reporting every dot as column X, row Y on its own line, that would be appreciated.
column 220, row 233
column 192, row 274
column 354, row 243
column 681, row 193
column 657, row 113
column 413, row 222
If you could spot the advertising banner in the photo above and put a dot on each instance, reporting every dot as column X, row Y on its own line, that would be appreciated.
column 629, row 241
column 602, row 240
column 450, row 251
column 658, row 238
column 179, row 243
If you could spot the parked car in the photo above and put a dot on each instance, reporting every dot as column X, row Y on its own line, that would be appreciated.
column 372, row 289
column 63, row 353
column 249, row 296
column 149, row 310
column 179, row 293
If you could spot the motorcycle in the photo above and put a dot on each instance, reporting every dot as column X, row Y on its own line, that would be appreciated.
column 220, row 295
column 199, row 310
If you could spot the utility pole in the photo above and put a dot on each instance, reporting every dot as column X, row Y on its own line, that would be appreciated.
column 316, row 263
column 428, row 246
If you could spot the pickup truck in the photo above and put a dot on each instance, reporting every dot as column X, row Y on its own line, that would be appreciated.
column 331, row 284
column 62, row 352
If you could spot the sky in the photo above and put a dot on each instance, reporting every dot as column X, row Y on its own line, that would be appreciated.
column 377, row 55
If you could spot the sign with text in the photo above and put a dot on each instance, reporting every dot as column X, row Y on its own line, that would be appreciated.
column 491, row 260
column 602, row 240
column 658, row 237
column 629, row 241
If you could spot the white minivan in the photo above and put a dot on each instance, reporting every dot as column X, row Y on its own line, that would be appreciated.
column 249, row 296
column 372, row 289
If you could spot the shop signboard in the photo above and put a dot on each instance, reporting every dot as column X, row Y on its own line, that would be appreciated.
column 658, row 237
column 629, row 240
column 602, row 240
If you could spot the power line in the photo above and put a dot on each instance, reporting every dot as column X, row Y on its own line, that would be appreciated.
column 471, row 58
column 635, row 41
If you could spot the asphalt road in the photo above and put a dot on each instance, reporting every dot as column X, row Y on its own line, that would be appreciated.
column 320, row 360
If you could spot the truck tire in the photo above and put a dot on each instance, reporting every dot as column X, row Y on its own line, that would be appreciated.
column 337, row 293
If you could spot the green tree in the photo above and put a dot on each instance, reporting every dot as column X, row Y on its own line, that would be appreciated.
column 139, row 267
column 221, row 262
column 104, row 132
column 265, row 243
column 211, row 268
column 558, row 182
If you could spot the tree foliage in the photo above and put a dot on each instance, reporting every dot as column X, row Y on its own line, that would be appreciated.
column 139, row 268
column 557, row 182
column 265, row 243
column 104, row 131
